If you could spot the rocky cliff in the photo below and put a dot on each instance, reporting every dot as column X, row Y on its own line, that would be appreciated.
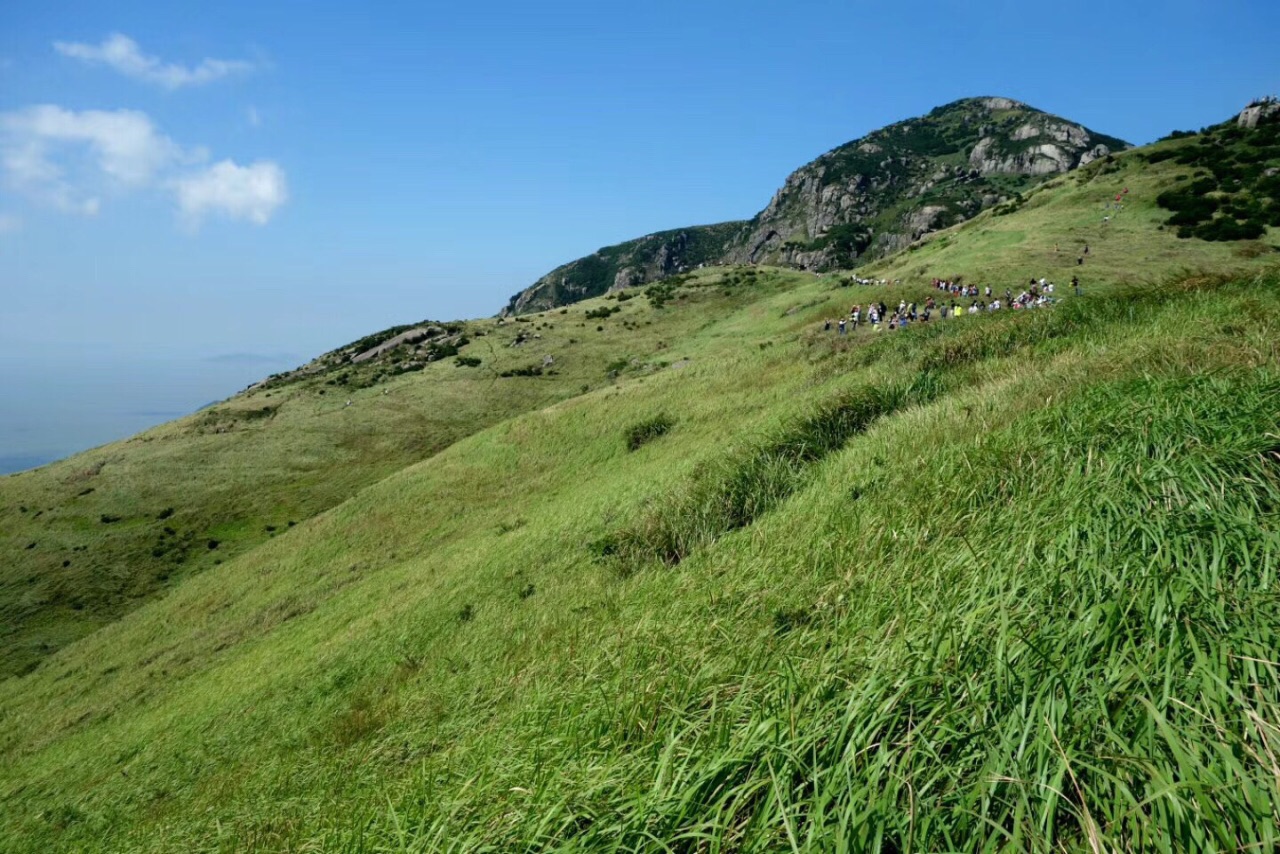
column 863, row 199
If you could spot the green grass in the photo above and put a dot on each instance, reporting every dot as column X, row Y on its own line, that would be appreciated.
column 999, row 583
column 1047, row 235
column 278, row 455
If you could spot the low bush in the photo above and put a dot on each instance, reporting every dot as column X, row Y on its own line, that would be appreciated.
column 529, row 371
column 642, row 433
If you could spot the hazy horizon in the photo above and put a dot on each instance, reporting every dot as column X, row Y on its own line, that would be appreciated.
column 55, row 410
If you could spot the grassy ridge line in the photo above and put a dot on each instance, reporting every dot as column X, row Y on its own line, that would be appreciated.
column 384, row 679
column 734, row 491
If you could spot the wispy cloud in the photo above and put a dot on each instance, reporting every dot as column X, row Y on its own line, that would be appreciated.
column 122, row 54
column 70, row 160
column 253, row 117
column 10, row 223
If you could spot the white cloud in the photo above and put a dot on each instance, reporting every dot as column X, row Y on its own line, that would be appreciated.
column 122, row 54
column 250, row 192
column 9, row 223
column 70, row 160
column 102, row 149
column 253, row 117
column 125, row 143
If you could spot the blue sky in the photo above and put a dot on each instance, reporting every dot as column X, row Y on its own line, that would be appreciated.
column 239, row 186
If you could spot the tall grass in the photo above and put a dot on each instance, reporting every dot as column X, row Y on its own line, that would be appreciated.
column 1015, row 594
column 737, row 487
column 1091, row 666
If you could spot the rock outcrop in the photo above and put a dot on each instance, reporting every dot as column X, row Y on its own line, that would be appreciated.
column 1259, row 112
column 866, row 198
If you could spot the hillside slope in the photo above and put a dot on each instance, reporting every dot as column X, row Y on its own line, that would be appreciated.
column 1003, row 582
column 88, row 539
column 1026, row 536
column 865, row 198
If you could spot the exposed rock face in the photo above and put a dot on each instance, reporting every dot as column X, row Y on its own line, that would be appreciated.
column 866, row 198
column 413, row 336
column 881, row 192
column 1259, row 112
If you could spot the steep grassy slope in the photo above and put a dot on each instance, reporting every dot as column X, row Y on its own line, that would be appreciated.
column 1000, row 582
column 88, row 539
column 997, row 583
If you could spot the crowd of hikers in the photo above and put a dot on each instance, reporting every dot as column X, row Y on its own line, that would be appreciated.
column 878, row 316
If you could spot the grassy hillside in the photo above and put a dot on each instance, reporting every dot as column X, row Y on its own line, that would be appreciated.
column 917, row 587
column 90, row 538
column 1045, row 234
column 1004, row 582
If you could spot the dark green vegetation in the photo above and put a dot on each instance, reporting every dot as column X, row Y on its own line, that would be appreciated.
column 714, row 580
column 633, row 262
column 1237, row 193
column 643, row 432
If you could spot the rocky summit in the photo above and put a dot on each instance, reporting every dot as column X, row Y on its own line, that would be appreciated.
column 861, row 200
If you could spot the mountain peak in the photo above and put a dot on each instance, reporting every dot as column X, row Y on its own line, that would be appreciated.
column 991, row 103
column 863, row 199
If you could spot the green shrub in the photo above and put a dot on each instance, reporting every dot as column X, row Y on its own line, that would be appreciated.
column 528, row 371
column 643, row 432
column 1226, row 228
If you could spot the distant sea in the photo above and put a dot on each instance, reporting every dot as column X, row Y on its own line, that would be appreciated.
column 53, row 409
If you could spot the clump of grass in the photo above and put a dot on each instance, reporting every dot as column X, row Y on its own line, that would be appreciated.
column 643, row 432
